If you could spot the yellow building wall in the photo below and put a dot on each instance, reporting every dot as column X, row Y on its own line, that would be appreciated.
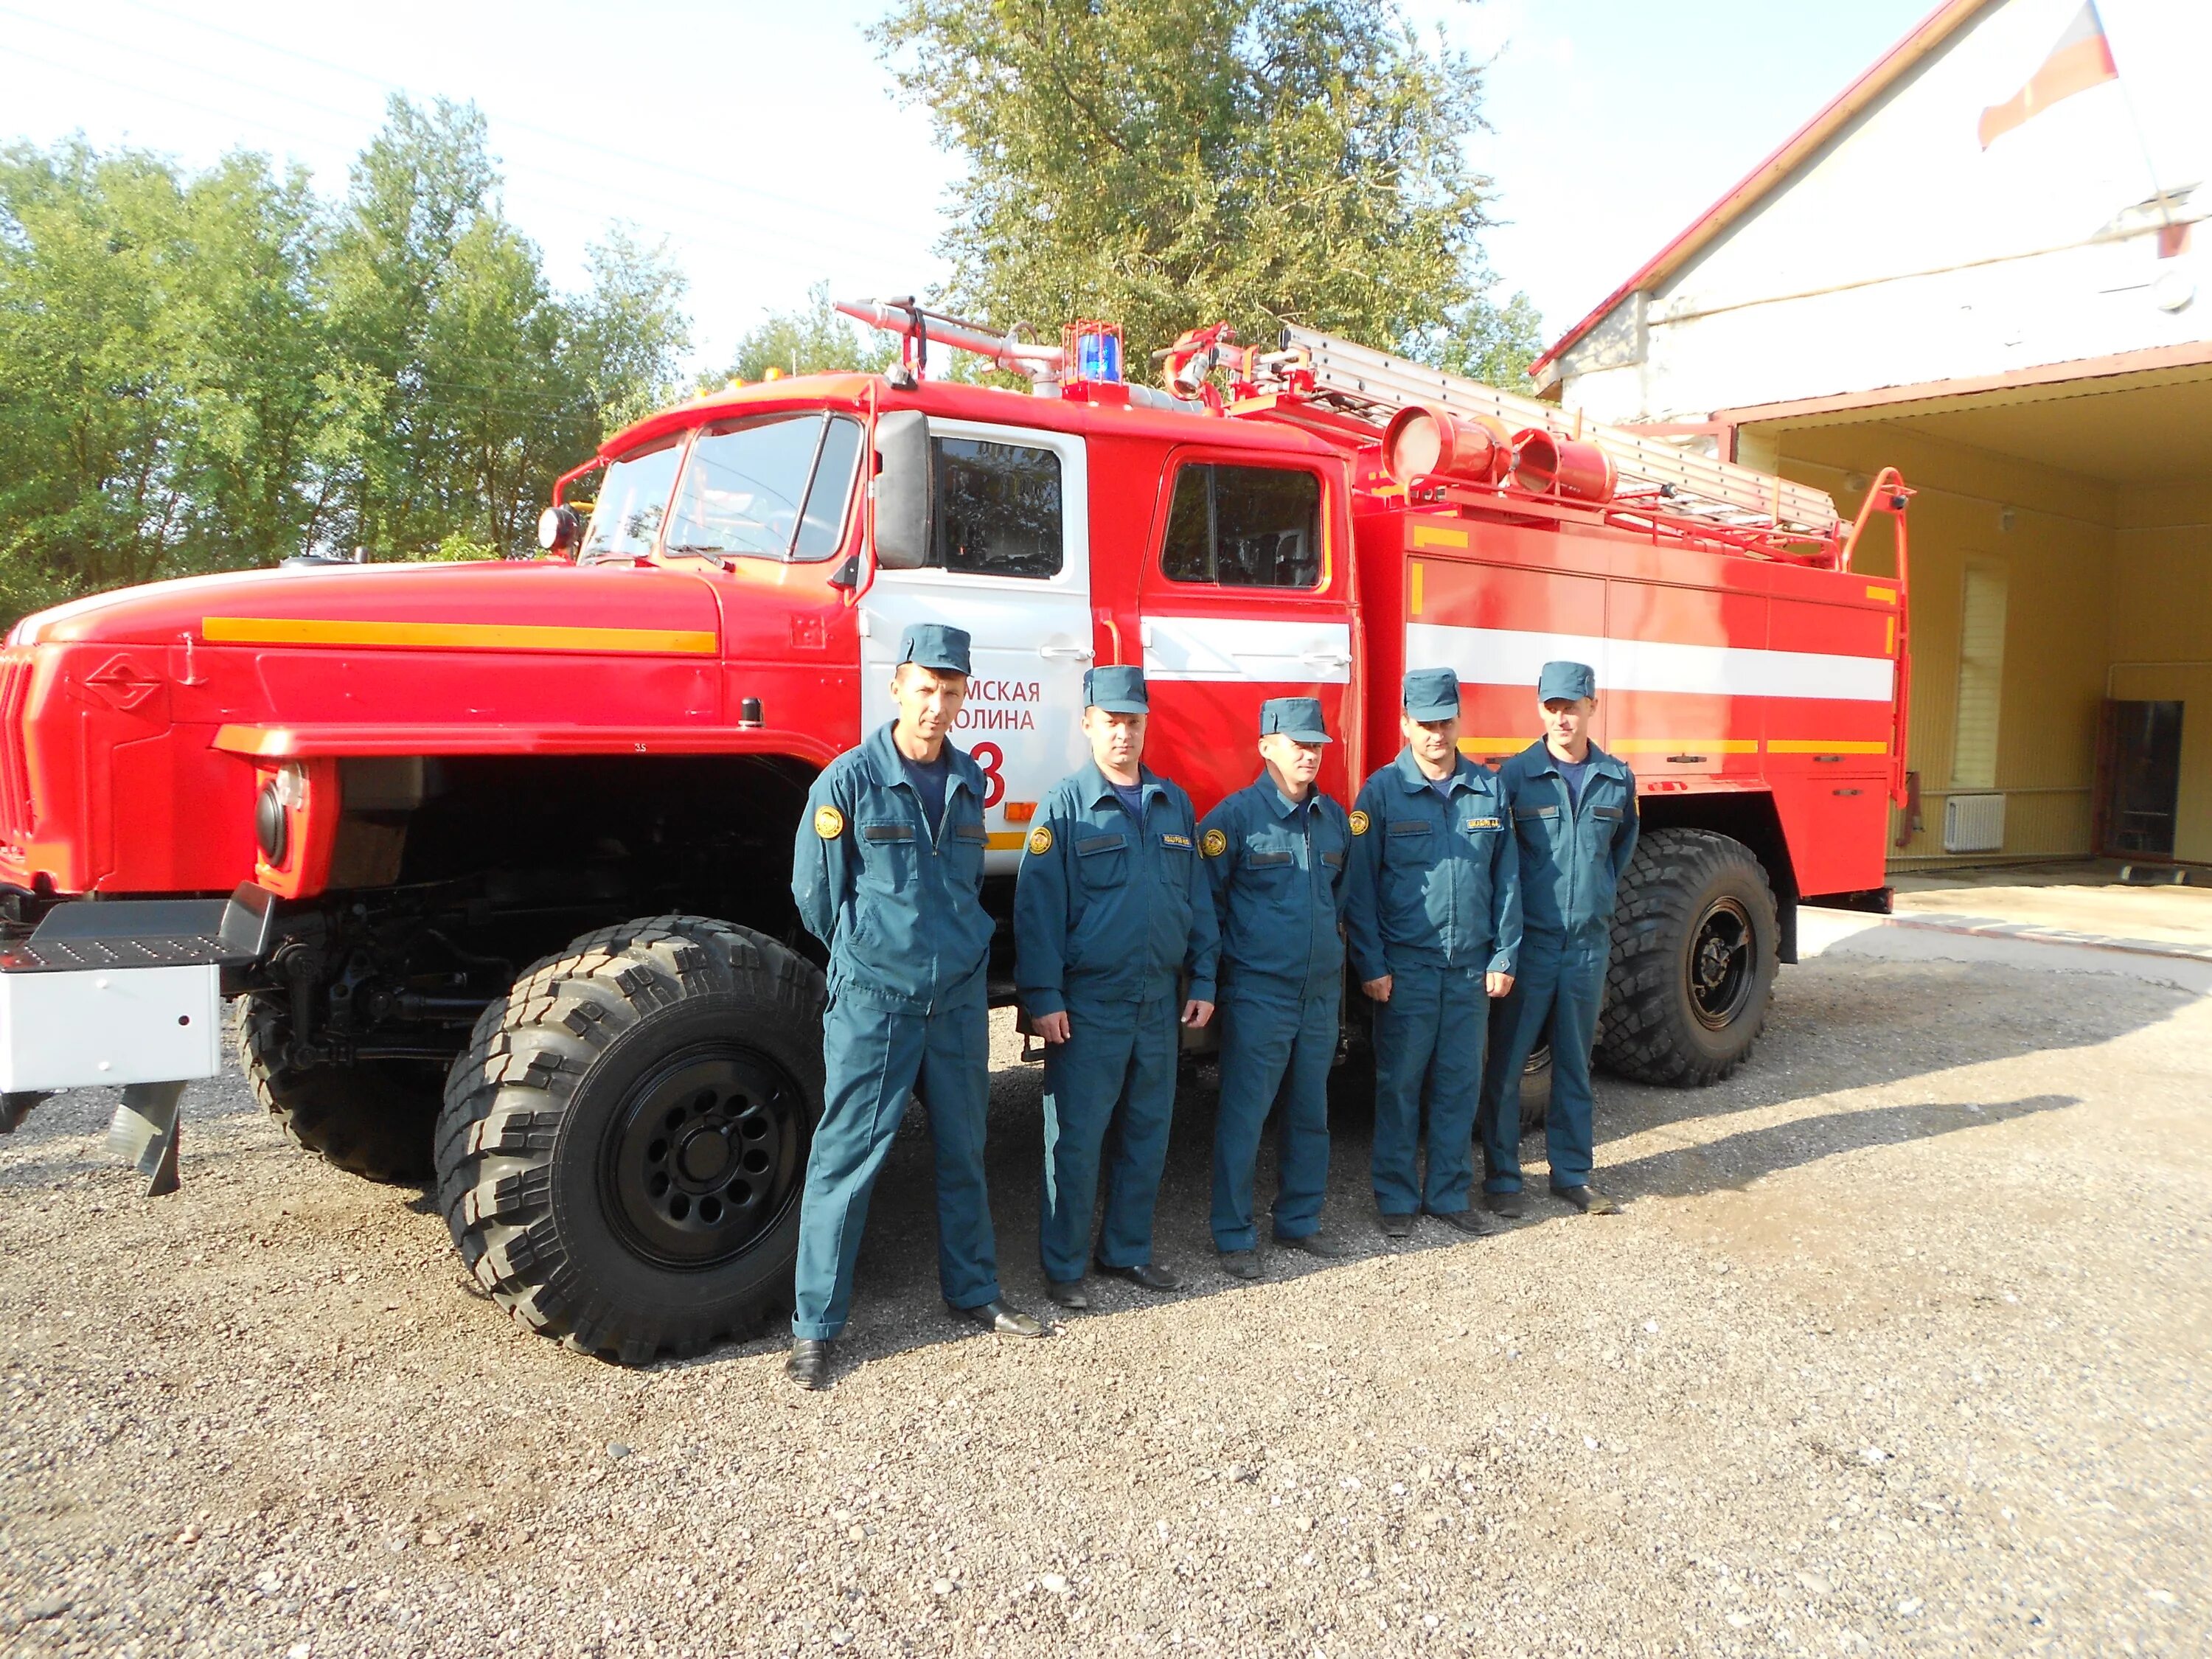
column 2057, row 558
column 2161, row 614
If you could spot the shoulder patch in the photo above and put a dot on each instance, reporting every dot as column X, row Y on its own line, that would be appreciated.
column 1215, row 844
column 1359, row 822
column 1041, row 840
column 829, row 823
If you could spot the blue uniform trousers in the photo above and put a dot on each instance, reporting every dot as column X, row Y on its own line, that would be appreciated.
column 1428, row 1040
column 1275, row 1048
column 875, row 1058
column 1115, row 1075
column 1562, row 979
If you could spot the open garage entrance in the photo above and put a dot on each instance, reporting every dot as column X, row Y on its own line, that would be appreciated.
column 2061, row 601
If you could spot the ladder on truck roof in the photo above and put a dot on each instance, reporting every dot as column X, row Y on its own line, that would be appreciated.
column 1361, row 381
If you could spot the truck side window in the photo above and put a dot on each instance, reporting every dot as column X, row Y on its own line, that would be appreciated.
column 1245, row 526
column 998, row 508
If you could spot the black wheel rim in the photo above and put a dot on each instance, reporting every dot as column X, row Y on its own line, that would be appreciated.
column 704, row 1156
column 1723, row 965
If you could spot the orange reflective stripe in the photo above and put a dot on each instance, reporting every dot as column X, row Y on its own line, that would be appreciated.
column 466, row 636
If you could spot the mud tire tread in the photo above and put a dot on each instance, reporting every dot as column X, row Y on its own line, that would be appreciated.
column 1644, row 1032
column 364, row 1120
column 509, row 1089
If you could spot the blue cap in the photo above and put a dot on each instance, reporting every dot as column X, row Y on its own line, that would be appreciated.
column 1571, row 680
column 1118, row 689
column 1432, row 694
column 1298, row 718
column 935, row 646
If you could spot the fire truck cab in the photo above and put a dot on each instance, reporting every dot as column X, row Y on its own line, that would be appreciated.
column 491, row 859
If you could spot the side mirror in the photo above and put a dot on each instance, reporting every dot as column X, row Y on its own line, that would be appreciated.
column 903, row 489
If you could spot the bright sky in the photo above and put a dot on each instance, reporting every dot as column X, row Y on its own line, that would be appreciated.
column 763, row 140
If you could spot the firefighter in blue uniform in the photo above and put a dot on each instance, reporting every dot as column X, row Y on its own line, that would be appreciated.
column 1276, row 853
column 888, row 872
column 1574, row 816
column 1432, row 918
column 1111, row 913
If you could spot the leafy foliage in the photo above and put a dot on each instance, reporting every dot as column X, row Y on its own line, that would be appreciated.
column 1174, row 162
column 814, row 341
column 202, row 371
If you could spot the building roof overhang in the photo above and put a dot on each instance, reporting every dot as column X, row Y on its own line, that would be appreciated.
column 1925, row 37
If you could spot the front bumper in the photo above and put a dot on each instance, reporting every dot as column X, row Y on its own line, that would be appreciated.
column 125, row 994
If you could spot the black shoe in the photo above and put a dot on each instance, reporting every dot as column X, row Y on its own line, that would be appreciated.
column 1312, row 1244
column 1000, row 1318
column 1241, row 1264
column 809, row 1364
column 1505, row 1204
column 1397, row 1226
column 1068, row 1293
column 1586, row 1199
column 1145, row 1275
column 1468, row 1221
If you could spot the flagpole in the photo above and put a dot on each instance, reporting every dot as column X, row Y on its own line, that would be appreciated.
column 2135, row 123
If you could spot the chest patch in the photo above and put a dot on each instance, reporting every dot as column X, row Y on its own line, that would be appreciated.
column 1410, row 827
column 1182, row 841
column 1482, row 823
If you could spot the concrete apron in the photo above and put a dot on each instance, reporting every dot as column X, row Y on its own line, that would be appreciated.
column 1997, row 943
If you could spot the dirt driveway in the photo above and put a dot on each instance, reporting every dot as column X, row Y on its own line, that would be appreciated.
column 1900, row 1347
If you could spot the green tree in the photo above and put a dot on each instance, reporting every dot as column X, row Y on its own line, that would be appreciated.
column 470, row 384
column 817, row 339
column 1173, row 162
column 158, row 339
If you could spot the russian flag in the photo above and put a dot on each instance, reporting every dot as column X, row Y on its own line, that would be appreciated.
column 2081, row 59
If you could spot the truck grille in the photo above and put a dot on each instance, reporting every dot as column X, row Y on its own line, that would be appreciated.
column 16, row 669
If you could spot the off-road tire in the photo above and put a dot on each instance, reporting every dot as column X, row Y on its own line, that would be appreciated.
column 1536, row 1088
column 1669, row 1017
column 557, row 1098
column 377, row 1120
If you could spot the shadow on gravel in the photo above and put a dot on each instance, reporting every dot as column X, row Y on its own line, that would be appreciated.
column 1737, row 1160
column 1836, row 1026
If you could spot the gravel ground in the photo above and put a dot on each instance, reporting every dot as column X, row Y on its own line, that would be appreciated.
column 1899, row 1348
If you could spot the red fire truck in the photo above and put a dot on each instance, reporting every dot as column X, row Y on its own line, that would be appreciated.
column 491, row 859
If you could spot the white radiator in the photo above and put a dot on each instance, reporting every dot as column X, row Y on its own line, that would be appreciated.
column 1974, row 823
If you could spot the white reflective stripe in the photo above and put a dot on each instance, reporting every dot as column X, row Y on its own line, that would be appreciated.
column 1247, row 648
column 1509, row 656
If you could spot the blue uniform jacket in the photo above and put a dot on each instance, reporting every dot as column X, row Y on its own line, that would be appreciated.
column 900, row 908
column 1570, row 860
column 1279, row 874
column 1106, row 910
column 1431, row 882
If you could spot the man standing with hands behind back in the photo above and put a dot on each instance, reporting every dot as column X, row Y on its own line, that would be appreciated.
column 887, row 871
column 1433, row 920
column 1574, row 817
column 1112, row 910
column 1275, row 852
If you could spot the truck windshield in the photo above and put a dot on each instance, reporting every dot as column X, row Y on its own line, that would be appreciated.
column 633, row 500
column 771, row 488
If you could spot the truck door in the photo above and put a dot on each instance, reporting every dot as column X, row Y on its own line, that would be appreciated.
column 1010, row 562
column 1246, row 594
